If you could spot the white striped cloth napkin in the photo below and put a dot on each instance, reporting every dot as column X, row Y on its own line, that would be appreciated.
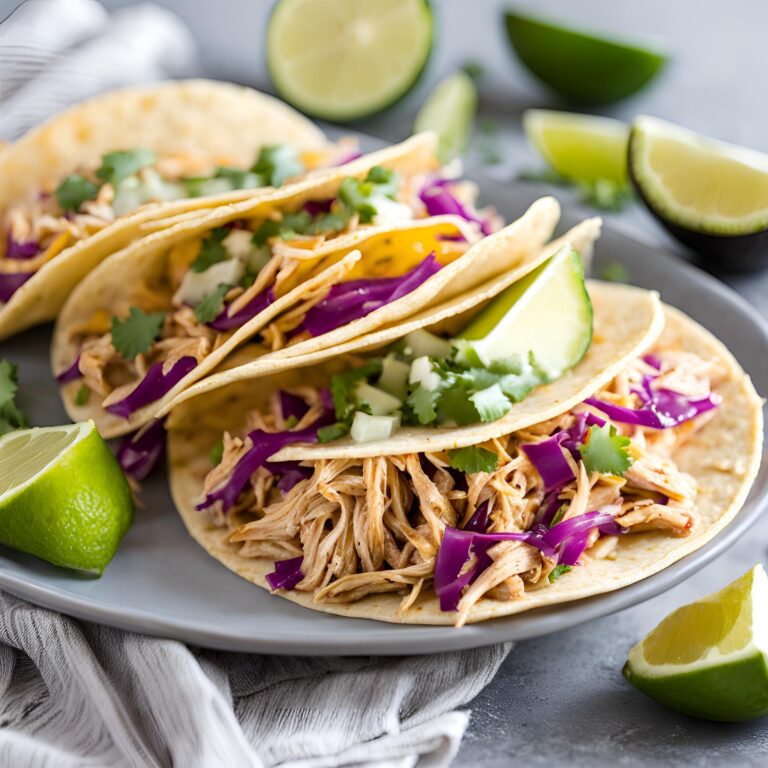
column 74, row 694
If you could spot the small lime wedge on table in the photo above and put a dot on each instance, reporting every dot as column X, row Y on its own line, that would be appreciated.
column 345, row 59
column 582, row 148
column 548, row 313
column 63, row 496
column 582, row 67
column 450, row 112
column 711, row 195
column 708, row 659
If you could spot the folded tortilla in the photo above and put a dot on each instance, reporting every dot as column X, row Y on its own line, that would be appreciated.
column 225, row 123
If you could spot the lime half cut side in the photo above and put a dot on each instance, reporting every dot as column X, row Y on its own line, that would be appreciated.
column 548, row 313
column 708, row 659
column 346, row 59
column 583, row 68
column 582, row 148
column 698, row 183
column 63, row 496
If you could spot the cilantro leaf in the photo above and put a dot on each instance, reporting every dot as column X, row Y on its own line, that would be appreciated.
column 136, row 333
column 343, row 387
column 11, row 416
column 277, row 163
column 606, row 451
column 473, row 459
column 491, row 403
column 557, row 572
column 239, row 178
column 455, row 404
column 423, row 404
column 212, row 250
column 559, row 515
column 83, row 395
column 356, row 196
column 324, row 223
column 332, row 432
column 217, row 453
column 210, row 306
column 116, row 166
column 74, row 191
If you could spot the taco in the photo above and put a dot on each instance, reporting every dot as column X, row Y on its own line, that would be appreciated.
column 80, row 186
column 315, row 264
column 637, row 456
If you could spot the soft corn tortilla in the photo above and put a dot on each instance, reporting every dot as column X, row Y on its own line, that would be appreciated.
column 117, row 280
column 202, row 116
column 724, row 458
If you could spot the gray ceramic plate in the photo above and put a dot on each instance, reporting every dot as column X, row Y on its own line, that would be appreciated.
column 162, row 583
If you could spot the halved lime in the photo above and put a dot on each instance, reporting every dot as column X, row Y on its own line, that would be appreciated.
column 582, row 67
column 708, row 658
column 63, row 496
column 450, row 112
column 346, row 59
column 583, row 148
column 547, row 313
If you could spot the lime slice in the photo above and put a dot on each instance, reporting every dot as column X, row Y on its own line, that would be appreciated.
column 548, row 313
column 450, row 112
column 583, row 68
column 708, row 658
column 699, row 183
column 583, row 148
column 346, row 59
column 63, row 496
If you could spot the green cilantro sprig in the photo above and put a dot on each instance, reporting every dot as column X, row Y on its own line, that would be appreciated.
column 136, row 333
column 212, row 250
column 277, row 163
column 557, row 572
column 116, row 166
column 606, row 451
column 210, row 306
column 74, row 191
column 473, row 459
column 11, row 416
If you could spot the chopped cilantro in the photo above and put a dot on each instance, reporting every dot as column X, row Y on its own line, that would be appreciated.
column 11, row 416
column 217, row 453
column 239, row 178
column 290, row 225
column 210, row 306
column 557, row 572
column 212, row 250
column 83, row 395
column 136, row 333
column 74, row 191
column 473, row 459
column 456, row 406
column 332, row 432
column 291, row 422
column 277, row 163
column 491, row 403
column 359, row 197
column 423, row 403
column 559, row 515
column 606, row 451
column 324, row 223
column 116, row 166
column 343, row 387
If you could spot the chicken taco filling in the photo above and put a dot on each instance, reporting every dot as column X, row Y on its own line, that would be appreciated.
column 41, row 226
column 214, row 284
column 488, row 521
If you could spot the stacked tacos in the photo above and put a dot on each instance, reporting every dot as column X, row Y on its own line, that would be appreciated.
column 82, row 185
column 362, row 481
column 313, row 265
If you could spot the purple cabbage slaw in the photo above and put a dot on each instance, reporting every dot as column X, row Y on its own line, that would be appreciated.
column 10, row 283
column 287, row 573
column 153, row 386
column 439, row 201
column 291, row 405
column 264, row 445
column 70, row 374
column 226, row 322
column 139, row 454
column 354, row 299
column 564, row 543
column 16, row 249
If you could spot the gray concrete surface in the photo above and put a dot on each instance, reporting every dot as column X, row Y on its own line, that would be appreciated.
column 561, row 699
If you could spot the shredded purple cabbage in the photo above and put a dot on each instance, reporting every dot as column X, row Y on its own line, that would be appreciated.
column 440, row 202
column 287, row 574
column 318, row 207
column 257, row 304
column 15, row 249
column 140, row 453
column 152, row 387
column 10, row 283
column 653, row 360
column 292, row 405
column 264, row 445
column 70, row 374
column 352, row 300
column 290, row 473
column 550, row 462
column 478, row 523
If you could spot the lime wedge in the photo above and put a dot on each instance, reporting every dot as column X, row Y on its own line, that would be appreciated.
column 63, row 496
column 450, row 111
column 582, row 67
column 699, row 183
column 346, row 59
column 708, row 658
column 583, row 148
column 547, row 313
